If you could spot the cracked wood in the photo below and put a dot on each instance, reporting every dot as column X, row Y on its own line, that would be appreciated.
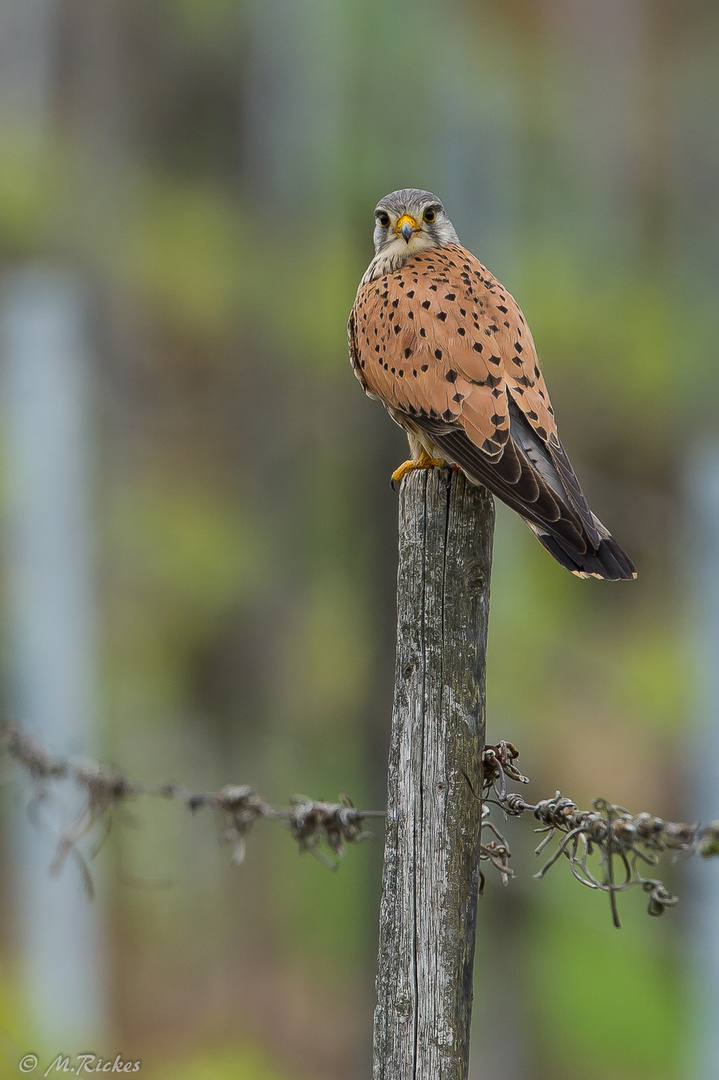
column 431, row 865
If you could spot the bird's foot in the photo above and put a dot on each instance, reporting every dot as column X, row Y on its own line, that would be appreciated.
column 423, row 462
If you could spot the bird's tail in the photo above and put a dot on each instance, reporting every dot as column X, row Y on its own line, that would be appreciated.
column 608, row 560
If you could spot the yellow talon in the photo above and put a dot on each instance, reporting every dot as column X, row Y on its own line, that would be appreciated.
column 423, row 462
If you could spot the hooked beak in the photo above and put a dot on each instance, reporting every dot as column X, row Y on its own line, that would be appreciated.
column 406, row 227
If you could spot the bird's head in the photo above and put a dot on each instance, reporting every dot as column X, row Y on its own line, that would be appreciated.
column 409, row 221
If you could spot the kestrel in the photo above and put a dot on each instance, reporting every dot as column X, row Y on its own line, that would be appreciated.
column 446, row 349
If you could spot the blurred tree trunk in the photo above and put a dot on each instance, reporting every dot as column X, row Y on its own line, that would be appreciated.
column 431, row 868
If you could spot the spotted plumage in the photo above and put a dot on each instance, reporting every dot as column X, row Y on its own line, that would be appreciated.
column 446, row 349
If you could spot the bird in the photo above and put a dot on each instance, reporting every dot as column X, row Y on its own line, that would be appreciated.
column 444, row 346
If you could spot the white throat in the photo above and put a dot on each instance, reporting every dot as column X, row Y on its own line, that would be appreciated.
column 394, row 254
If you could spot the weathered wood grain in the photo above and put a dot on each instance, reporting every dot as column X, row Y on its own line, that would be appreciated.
column 431, row 863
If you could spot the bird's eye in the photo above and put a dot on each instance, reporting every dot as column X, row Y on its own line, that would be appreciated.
column 383, row 219
column 429, row 214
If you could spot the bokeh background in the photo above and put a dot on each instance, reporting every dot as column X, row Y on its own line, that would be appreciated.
column 186, row 197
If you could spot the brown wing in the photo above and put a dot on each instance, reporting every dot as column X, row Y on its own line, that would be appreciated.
column 447, row 350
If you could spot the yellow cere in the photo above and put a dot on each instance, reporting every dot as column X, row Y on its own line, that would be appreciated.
column 406, row 219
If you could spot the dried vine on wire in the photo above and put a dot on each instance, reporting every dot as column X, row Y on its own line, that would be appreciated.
column 322, row 828
column 625, row 843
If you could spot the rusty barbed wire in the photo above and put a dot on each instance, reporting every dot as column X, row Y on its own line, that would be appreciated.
column 624, row 843
column 314, row 825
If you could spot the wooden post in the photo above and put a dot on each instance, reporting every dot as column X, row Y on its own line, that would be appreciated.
column 431, row 860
